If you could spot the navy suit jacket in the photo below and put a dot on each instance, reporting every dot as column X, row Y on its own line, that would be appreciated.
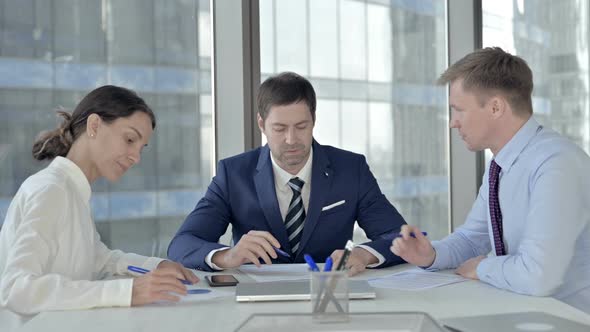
column 243, row 194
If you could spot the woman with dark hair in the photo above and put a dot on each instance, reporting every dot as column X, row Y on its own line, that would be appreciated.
column 51, row 256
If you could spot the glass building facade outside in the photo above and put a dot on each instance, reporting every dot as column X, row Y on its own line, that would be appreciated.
column 553, row 37
column 373, row 63
column 53, row 52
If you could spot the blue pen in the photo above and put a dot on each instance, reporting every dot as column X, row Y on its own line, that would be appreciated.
column 281, row 252
column 411, row 234
column 312, row 265
column 144, row 271
column 137, row 269
column 328, row 264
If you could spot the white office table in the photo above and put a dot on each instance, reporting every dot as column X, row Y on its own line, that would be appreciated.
column 469, row 298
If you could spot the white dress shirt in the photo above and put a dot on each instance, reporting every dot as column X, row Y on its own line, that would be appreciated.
column 51, row 256
column 284, row 192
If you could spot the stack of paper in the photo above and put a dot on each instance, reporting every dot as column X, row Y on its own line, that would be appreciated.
column 415, row 279
column 276, row 272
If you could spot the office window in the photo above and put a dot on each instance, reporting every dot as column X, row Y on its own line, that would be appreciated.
column 553, row 37
column 374, row 65
column 293, row 34
column 323, row 38
column 54, row 52
column 328, row 128
column 353, row 39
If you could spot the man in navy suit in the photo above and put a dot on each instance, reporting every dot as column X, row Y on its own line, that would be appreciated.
column 293, row 194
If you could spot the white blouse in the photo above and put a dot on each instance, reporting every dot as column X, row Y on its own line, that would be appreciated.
column 51, row 256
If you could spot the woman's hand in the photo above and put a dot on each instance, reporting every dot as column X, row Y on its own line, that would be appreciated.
column 161, row 284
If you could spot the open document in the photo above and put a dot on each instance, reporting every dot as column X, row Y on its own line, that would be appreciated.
column 415, row 279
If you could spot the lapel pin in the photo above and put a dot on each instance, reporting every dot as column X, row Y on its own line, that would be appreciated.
column 326, row 174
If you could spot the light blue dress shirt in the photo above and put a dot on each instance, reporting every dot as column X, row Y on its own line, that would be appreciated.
column 544, row 195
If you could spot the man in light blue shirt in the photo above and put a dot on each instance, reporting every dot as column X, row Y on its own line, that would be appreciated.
column 532, row 208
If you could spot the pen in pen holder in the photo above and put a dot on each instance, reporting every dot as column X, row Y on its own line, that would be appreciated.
column 329, row 296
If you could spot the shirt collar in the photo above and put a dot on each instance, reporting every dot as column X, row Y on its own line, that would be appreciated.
column 74, row 173
column 509, row 153
column 282, row 176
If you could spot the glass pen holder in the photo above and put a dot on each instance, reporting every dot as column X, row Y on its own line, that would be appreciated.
column 329, row 296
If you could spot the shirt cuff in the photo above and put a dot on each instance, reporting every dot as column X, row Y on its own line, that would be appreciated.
column 209, row 258
column 486, row 268
column 152, row 263
column 439, row 259
column 117, row 293
column 375, row 253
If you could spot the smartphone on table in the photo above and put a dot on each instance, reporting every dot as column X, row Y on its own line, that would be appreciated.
column 221, row 280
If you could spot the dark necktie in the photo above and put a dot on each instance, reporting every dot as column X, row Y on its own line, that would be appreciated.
column 295, row 214
column 495, row 212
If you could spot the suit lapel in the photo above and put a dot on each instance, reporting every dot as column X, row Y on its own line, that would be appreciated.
column 267, row 197
column 321, row 181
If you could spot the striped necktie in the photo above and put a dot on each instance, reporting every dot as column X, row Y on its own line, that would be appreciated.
column 495, row 212
column 295, row 214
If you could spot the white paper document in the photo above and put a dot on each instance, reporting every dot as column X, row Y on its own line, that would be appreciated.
column 215, row 293
column 192, row 298
column 276, row 272
column 415, row 279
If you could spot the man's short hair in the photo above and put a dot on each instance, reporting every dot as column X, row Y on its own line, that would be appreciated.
column 284, row 89
column 490, row 71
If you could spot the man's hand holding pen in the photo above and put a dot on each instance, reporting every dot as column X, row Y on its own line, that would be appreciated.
column 357, row 262
column 251, row 247
column 413, row 246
